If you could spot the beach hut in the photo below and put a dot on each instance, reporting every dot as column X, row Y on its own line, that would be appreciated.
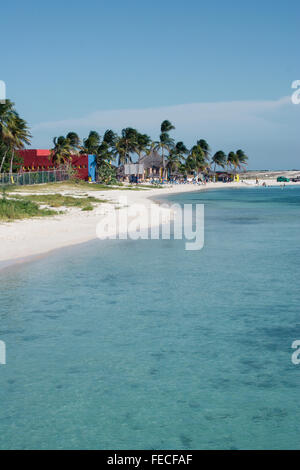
column 153, row 165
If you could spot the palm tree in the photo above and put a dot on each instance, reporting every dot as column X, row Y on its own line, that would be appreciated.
column 4, row 155
column 198, row 158
column 121, row 152
column 242, row 159
column 20, row 136
column 125, row 145
column 61, row 151
column 219, row 159
column 166, row 126
column 232, row 160
column 129, row 138
column 173, row 161
column 74, row 140
column 181, row 149
column 176, row 155
column 14, row 133
column 183, row 168
column 7, row 115
column 104, row 155
column 91, row 143
column 165, row 141
column 105, row 152
column 190, row 164
column 143, row 144
column 110, row 137
column 205, row 147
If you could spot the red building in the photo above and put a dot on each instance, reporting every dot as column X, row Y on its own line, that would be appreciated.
column 40, row 160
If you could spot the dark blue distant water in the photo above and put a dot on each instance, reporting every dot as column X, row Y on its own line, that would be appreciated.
column 143, row 345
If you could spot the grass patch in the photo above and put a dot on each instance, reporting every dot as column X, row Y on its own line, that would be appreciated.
column 62, row 186
column 149, row 186
column 90, row 186
column 87, row 208
column 82, row 185
column 153, row 186
column 13, row 209
column 59, row 200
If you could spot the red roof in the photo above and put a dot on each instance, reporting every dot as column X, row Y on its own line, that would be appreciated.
column 34, row 153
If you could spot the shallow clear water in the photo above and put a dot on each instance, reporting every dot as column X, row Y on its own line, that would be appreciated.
column 141, row 344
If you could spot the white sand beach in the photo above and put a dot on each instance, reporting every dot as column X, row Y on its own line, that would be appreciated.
column 31, row 237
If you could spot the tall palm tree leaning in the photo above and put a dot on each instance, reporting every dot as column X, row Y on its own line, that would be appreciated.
column 219, row 159
column 165, row 141
column 232, row 161
column 20, row 136
column 14, row 133
column 242, row 159
column 142, row 145
column 205, row 147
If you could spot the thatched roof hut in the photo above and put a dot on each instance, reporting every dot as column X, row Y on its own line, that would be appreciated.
column 153, row 164
column 152, row 160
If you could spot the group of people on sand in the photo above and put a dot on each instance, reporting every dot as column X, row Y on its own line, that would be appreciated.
column 195, row 180
column 264, row 184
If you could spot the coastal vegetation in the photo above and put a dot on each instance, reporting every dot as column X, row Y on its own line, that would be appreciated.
column 60, row 200
column 21, row 202
column 80, row 185
column 21, row 206
column 21, row 209
column 14, row 136
column 12, row 209
column 113, row 150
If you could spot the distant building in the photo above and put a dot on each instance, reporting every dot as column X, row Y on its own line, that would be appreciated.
column 153, row 165
column 226, row 176
column 40, row 160
column 148, row 166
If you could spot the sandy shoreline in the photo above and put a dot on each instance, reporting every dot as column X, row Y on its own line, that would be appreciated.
column 27, row 238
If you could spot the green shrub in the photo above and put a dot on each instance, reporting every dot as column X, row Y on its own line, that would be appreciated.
column 12, row 209
column 87, row 208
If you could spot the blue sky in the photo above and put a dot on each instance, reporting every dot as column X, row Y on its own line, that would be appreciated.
column 219, row 69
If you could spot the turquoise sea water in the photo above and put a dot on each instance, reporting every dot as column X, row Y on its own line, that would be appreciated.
column 143, row 345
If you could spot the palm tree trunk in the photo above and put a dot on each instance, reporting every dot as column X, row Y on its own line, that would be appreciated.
column 11, row 162
column 138, row 163
column 3, row 160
